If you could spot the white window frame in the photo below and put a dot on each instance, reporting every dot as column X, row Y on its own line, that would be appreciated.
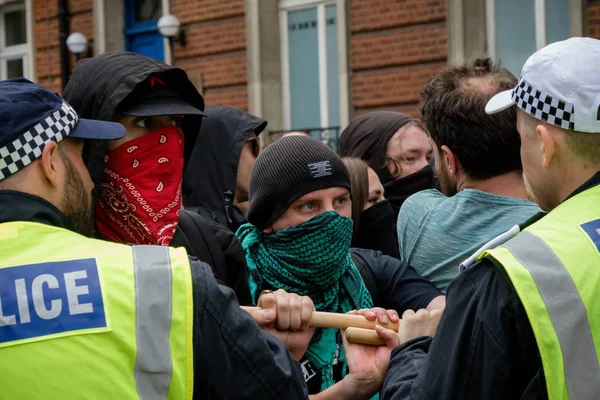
column 575, row 19
column 15, row 52
column 286, row 6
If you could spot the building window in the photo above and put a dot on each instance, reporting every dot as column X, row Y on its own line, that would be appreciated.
column 310, row 49
column 14, row 51
column 518, row 28
column 141, row 31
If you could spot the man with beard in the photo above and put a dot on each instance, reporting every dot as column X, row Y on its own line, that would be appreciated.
column 85, row 318
column 479, row 169
column 75, row 200
column 522, row 320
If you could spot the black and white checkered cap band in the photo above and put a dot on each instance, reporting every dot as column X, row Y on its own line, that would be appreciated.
column 28, row 147
column 543, row 106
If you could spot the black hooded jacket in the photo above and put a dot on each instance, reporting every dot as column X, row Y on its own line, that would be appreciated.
column 96, row 89
column 210, row 178
column 99, row 84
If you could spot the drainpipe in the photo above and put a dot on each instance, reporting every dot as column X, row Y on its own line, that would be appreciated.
column 63, row 33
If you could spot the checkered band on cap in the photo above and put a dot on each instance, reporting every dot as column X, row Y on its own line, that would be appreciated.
column 544, row 107
column 28, row 147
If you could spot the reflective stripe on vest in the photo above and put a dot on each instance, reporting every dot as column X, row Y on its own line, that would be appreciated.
column 153, row 367
column 581, row 368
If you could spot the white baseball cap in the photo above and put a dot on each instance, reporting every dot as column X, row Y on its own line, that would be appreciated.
column 560, row 85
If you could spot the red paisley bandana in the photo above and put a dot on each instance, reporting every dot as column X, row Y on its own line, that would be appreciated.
column 140, row 194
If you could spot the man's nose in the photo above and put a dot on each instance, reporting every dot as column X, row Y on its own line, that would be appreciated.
column 163, row 122
column 328, row 207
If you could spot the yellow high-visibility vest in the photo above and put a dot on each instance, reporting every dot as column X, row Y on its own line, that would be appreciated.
column 87, row 319
column 554, row 266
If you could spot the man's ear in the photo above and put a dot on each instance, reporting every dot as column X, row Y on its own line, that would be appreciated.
column 50, row 163
column 548, row 142
column 450, row 159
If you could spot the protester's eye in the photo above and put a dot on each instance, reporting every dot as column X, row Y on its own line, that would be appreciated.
column 308, row 206
column 373, row 200
column 340, row 201
column 177, row 121
column 410, row 159
column 143, row 123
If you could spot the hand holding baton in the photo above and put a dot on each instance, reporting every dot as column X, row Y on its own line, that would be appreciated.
column 358, row 329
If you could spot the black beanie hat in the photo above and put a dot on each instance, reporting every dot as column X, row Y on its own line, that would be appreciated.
column 288, row 169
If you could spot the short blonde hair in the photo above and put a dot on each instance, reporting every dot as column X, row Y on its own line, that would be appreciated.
column 583, row 145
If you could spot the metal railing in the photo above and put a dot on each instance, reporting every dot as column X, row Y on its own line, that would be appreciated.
column 330, row 135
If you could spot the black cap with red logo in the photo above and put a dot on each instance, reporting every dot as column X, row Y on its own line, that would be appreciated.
column 153, row 97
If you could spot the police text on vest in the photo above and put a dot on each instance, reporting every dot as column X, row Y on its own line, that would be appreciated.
column 44, row 299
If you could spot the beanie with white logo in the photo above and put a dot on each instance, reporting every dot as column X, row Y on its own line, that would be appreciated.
column 288, row 169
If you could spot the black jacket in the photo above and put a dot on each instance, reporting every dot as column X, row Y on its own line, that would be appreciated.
column 233, row 358
column 393, row 284
column 210, row 178
column 96, row 88
column 217, row 246
column 484, row 347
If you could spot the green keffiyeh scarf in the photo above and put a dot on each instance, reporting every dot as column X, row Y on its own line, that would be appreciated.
column 311, row 259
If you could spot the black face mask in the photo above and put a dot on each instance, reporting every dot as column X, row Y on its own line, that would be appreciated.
column 377, row 229
column 398, row 190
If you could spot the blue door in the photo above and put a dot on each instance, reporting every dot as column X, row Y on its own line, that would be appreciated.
column 141, row 32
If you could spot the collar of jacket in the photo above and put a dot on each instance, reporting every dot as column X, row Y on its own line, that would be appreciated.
column 592, row 182
column 19, row 206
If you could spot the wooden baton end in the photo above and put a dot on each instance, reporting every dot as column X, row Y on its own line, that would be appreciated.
column 363, row 336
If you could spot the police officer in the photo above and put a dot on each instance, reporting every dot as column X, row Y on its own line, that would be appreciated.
column 524, row 322
column 84, row 318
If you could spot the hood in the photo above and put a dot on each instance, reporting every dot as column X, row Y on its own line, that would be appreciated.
column 99, row 84
column 210, row 177
column 366, row 137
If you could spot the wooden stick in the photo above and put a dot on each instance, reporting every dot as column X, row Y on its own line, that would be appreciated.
column 363, row 336
column 341, row 321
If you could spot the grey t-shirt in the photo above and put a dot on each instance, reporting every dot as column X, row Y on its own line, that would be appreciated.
column 436, row 233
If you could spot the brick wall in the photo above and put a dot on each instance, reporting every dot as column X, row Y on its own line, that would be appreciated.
column 215, row 49
column 593, row 19
column 47, row 52
column 396, row 46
